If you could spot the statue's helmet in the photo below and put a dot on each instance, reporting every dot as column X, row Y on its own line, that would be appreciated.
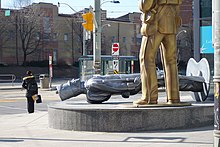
column 145, row 5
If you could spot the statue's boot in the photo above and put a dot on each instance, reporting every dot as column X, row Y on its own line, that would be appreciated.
column 144, row 101
column 140, row 102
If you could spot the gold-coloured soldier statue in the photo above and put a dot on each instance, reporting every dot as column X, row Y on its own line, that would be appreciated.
column 160, row 21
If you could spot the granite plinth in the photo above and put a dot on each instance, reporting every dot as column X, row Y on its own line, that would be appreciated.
column 124, row 117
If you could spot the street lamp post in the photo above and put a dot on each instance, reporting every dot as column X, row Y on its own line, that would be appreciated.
column 196, row 29
column 108, row 25
column 114, row 1
column 67, row 5
column 178, row 50
column 182, row 31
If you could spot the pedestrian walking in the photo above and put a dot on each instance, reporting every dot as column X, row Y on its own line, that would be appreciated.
column 30, row 84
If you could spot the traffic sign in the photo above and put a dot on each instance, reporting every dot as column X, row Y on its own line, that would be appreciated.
column 50, row 66
column 7, row 12
column 115, row 49
column 116, row 72
column 116, row 66
column 115, row 56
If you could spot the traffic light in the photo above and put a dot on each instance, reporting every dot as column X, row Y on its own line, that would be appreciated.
column 88, row 24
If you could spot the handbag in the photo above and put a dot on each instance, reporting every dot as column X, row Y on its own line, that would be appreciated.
column 37, row 98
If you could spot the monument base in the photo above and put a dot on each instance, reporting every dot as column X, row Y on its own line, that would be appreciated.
column 181, row 104
column 124, row 117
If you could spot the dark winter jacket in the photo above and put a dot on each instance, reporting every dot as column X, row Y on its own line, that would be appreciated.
column 30, row 85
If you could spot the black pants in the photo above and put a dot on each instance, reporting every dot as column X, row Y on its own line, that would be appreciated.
column 30, row 104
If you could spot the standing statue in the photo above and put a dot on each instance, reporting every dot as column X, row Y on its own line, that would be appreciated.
column 160, row 21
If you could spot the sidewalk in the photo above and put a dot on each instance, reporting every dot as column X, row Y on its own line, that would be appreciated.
column 32, row 130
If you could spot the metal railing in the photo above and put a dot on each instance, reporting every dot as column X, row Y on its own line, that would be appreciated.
column 7, row 78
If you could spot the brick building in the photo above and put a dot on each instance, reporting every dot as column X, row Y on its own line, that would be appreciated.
column 61, row 35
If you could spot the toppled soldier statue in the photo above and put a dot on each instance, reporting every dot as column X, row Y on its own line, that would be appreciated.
column 160, row 21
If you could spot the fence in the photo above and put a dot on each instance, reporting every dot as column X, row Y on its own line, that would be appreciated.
column 7, row 78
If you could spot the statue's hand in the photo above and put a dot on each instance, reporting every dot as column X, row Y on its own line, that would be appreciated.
column 178, row 21
column 147, row 17
column 149, row 25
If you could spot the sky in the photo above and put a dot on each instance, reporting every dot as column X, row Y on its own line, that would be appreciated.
column 113, row 10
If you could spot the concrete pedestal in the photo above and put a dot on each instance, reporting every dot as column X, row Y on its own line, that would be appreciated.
column 123, row 117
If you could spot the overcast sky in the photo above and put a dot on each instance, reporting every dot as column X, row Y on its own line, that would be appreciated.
column 113, row 10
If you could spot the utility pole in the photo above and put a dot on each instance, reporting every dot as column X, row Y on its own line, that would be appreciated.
column 84, row 42
column 16, row 36
column 72, row 42
column 97, row 39
column 216, row 43
column 196, row 29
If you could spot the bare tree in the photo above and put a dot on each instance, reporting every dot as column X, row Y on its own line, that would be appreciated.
column 28, row 31
column 28, row 27
column 5, row 32
column 27, row 23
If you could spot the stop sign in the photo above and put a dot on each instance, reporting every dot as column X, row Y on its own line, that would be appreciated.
column 115, row 49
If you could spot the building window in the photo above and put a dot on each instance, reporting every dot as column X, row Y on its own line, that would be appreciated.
column 11, row 34
column 132, row 39
column 46, row 36
column 38, row 36
column 138, row 41
column 113, row 38
column 124, row 40
column 46, row 24
column 65, row 37
column 55, row 36
column 55, row 56
column 205, row 8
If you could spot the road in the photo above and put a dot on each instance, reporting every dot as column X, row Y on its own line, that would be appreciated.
column 13, row 100
column 33, row 131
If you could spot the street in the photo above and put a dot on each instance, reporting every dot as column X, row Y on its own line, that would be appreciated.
column 21, row 129
column 14, row 101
